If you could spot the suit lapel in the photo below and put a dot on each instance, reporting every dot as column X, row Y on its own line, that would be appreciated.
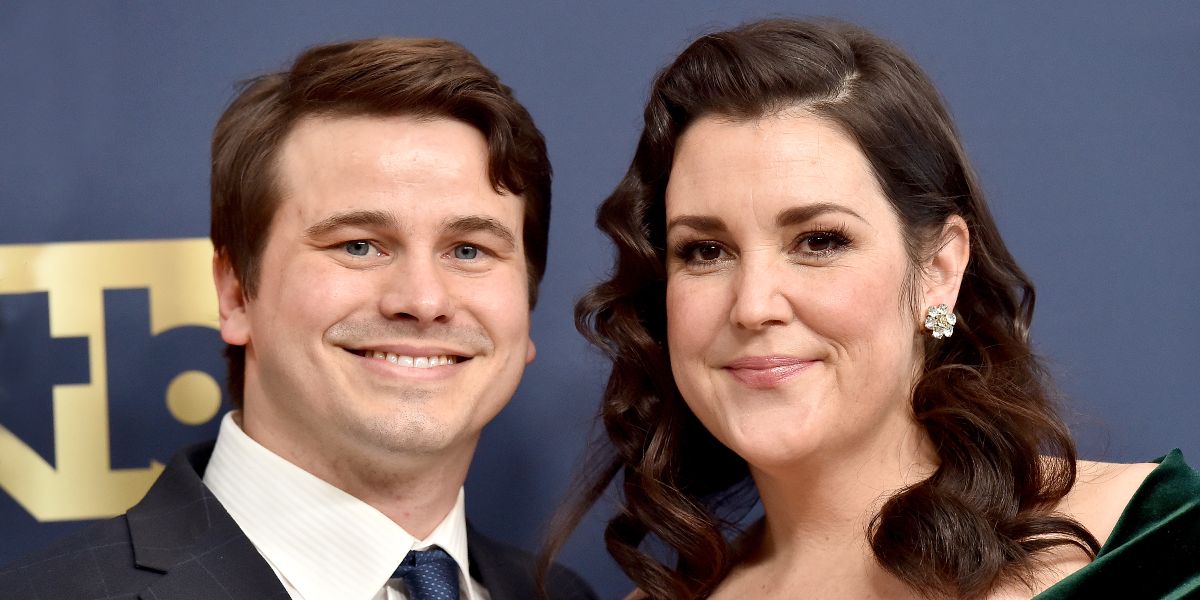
column 227, row 568
column 493, row 567
column 181, row 530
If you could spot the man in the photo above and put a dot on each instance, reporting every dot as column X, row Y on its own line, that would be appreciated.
column 380, row 215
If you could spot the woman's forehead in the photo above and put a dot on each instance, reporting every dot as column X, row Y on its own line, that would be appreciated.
column 772, row 163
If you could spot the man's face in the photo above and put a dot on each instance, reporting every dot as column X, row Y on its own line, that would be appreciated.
column 391, row 316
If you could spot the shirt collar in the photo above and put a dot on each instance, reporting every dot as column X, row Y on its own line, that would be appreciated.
column 320, row 540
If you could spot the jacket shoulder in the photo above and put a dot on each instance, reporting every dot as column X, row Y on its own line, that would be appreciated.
column 94, row 562
column 510, row 572
column 567, row 584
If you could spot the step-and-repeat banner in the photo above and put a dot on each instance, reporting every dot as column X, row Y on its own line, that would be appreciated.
column 111, row 360
column 1081, row 119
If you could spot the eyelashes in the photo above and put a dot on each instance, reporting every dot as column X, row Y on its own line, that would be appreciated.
column 823, row 243
column 364, row 250
column 816, row 244
column 700, row 251
column 361, row 248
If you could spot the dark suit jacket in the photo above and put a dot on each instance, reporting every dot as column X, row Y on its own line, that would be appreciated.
column 179, row 543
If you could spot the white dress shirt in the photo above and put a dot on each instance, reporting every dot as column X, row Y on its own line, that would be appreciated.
column 322, row 543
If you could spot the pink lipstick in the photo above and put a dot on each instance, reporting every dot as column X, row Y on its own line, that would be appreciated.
column 764, row 372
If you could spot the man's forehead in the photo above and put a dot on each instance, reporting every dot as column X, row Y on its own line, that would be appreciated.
column 426, row 171
column 393, row 145
column 330, row 127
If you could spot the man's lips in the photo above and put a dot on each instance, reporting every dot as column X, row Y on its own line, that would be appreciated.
column 412, row 356
column 763, row 372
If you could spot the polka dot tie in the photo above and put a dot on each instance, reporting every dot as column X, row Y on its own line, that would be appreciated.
column 430, row 574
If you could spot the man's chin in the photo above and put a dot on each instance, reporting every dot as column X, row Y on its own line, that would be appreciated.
column 409, row 433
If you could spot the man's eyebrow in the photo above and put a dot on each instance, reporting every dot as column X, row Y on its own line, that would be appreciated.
column 699, row 223
column 474, row 224
column 353, row 218
column 800, row 214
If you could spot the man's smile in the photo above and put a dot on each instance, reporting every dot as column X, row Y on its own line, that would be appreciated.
column 417, row 362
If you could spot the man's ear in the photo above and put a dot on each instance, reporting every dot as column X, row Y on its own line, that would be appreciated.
column 231, row 302
column 944, row 272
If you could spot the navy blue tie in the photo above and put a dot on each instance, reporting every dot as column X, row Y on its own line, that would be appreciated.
column 430, row 574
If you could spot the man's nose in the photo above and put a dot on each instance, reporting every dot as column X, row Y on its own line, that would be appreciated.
column 415, row 288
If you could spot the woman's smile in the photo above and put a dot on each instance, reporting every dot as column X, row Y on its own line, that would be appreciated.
column 764, row 372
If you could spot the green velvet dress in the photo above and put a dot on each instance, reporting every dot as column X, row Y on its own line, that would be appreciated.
column 1154, row 551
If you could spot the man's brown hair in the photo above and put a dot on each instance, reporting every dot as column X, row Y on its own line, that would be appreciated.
column 383, row 77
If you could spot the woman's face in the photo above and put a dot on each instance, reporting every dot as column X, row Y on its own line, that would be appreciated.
column 789, row 333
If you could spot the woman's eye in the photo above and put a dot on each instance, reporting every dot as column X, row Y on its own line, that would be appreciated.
column 706, row 252
column 822, row 243
column 700, row 254
column 466, row 252
column 358, row 248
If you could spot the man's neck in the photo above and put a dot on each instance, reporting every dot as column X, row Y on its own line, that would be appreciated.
column 415, row 492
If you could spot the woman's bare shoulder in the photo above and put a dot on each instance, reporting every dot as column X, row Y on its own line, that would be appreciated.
column 1097, row 500
column 636, row 595
column 1101, row 492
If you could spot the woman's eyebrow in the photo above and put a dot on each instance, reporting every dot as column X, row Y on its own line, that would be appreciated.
column 801, row 214
column 699, row 223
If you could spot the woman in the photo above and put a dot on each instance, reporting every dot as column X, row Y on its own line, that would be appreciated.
column 811, row 301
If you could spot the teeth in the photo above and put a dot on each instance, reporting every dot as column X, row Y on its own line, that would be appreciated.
column 416, row 362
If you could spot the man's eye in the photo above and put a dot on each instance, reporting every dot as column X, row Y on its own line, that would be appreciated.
column 466, row 252
column 358, row 248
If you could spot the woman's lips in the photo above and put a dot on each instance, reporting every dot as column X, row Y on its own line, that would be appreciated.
column 763, row 372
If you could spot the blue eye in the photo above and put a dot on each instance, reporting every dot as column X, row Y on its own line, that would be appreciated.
column 466, row 252
column 358, row 248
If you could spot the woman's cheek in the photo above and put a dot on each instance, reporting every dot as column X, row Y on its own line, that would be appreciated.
column 848, row 305
column 693, row 315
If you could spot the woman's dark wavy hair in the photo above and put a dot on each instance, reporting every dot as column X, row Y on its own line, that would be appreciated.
column 982, row 397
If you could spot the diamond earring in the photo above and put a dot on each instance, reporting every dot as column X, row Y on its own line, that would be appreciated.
column 940, row 320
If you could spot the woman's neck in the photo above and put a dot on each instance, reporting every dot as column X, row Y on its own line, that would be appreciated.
column 818, row 511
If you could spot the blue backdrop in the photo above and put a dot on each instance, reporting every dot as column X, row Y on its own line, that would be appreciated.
column 1081, row 119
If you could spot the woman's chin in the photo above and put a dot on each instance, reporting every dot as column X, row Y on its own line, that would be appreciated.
column 771, row 451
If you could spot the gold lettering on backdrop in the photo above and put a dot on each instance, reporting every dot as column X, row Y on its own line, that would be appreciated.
column 82, row 483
